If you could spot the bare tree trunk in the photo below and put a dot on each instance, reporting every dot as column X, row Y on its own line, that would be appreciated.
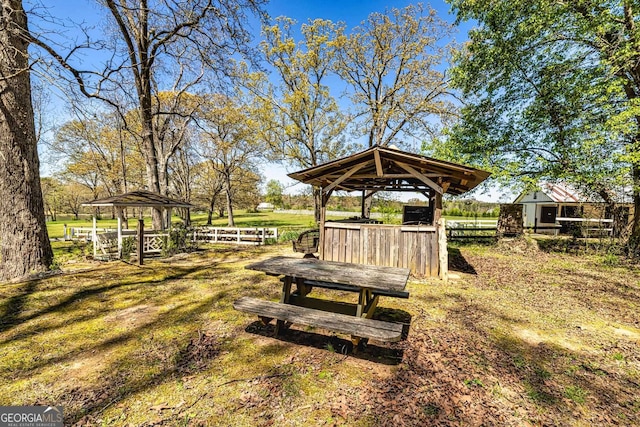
column 367, row 201
column 24, row 243
column 317, row 203
column 227, row 191
column 634, row 239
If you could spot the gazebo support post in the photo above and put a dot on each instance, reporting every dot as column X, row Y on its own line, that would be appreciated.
column 443, row 254
column 323, row 217
column 119, row 214
column 94, row 236
column 140, row 246
column 168, row 226
column 437, row 211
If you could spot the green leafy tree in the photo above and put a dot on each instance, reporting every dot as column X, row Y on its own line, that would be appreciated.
column 394, row 63
column 274, row 192
column 302, row 121
column 228, row 141
column 157, row 45
column 553, row 92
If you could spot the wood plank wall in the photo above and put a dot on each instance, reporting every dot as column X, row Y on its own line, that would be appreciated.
column 413, row 247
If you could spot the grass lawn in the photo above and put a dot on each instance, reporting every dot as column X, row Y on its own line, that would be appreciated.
column 523, row 336
column 241, row 218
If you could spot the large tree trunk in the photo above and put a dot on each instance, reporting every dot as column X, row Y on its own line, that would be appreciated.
column 24, row 243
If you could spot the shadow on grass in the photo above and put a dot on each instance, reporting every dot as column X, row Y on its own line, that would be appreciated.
column 387, row 354
column 13, row 309
column 179, row 357
column 457, row 262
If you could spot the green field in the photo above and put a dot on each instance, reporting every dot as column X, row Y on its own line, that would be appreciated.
column 242, row 219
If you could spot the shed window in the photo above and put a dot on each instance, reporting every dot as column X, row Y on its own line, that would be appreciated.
column 548, row 214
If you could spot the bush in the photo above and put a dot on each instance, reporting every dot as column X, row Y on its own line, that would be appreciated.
column 178, row 240
column 289, row 235
column 128, row 247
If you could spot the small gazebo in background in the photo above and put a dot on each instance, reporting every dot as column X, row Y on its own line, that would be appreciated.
column 419, row 243
column 135, row 199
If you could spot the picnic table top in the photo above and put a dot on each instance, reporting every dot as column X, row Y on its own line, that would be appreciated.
column 363, row 276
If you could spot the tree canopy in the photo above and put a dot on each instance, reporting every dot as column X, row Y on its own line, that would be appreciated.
column 551, row 91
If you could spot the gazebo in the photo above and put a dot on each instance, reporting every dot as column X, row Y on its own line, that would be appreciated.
column 134, row 199
column 416, row 245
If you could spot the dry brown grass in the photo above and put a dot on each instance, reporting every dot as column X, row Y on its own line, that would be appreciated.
column 523, row 337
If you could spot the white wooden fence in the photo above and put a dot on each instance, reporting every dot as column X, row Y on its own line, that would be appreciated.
column 83, row 233
column 235, row 235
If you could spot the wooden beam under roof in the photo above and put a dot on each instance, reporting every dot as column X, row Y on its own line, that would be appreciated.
column 346, row 175
column 420, row 177
column 376, row 156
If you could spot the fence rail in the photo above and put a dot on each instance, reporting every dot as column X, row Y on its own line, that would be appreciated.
column 235, row 235
column 471, row 229
column 83, row 233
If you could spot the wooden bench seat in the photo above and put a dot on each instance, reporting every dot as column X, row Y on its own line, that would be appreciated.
column 356, row 326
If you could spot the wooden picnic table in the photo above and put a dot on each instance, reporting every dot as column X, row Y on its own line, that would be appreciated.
column 368, row 281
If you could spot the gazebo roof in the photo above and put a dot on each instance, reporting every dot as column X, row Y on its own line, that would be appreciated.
column 389, row 169
column 140, row 199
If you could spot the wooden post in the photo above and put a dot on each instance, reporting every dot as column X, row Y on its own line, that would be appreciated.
column 437, row 212
column 169, row 211
column 94, row 237
column 119, row 212
column 140, row 247
column 323, row 216
column 287, row 281
column 443, row 255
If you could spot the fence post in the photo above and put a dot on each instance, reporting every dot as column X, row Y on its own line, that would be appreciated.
column 263, row 237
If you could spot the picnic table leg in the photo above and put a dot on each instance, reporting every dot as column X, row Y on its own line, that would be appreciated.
column 372, row 303
column 362, row 301
column 302, row 289
column 284, row 299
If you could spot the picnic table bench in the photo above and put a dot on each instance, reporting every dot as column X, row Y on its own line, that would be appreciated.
column 369, row 282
